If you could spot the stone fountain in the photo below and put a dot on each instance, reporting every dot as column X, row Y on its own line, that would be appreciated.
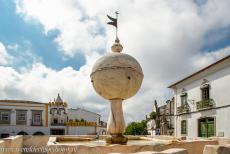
column 116, row 77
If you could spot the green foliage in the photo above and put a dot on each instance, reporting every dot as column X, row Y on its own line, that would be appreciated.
column 82, row 120
column 136, row 128
column 153, row 115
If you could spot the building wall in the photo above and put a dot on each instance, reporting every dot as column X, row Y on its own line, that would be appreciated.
column 83, row 114
column 82, row 130
column 151, row 126
column 14, row 129
column 219, row 82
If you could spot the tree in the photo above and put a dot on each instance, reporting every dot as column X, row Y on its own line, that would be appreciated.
column 82, row 120
column 153, row 115
column 157, row 114
column 136, row 128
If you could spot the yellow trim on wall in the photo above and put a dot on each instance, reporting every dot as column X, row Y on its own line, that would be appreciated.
column 21, row 105
column 73, row 123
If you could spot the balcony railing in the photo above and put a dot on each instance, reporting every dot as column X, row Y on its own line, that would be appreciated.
column 205, row 104
column 183, row 109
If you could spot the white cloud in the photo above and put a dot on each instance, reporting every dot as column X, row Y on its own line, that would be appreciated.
column 205, row 59
column 166, row 37
column 4, row 56
column 77, row 31
column 42, row 84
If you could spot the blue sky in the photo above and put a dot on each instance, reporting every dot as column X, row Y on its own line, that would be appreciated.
column 40, row 39
column 30, row 36
column 222, row 40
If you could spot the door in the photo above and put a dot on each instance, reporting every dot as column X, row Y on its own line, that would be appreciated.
column 206, row 127
column 57, row 132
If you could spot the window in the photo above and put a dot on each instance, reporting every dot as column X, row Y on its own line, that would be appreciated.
column 183, row 99
column 21, row 117
column 55, row 121
column 205, row 93
column 5, row 116
column 36, row 117
column 183, row 127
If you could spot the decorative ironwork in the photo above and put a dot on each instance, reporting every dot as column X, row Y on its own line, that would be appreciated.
column 205, row 104
column 184, row 108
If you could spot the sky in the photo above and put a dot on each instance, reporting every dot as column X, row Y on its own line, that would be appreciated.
column 49, row 47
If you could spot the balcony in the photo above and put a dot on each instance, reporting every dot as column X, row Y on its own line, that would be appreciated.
column 183, row 109
column 205, row 104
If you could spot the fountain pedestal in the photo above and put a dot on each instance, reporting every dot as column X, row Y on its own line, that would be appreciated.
column 116, row 123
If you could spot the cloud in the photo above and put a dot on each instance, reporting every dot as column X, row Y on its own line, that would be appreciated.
column 4, row 56
column 205, row 59
column 166, row 37
column 78, row 32
column 42, row 84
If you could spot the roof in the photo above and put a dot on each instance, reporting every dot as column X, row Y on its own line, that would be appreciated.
column 21, row 101
column 84, row 110
column 58, row 99
column 198, row 72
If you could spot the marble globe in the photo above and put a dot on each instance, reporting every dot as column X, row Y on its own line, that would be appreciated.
column 116, row 75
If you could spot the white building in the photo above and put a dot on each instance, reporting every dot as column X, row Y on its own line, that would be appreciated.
column 151, row 127
column 81, row 115
column 19, row 117
column 202, row 102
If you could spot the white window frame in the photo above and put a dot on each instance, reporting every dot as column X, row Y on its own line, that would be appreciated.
column 8, row 116
column 20, row 117
column 37, row 117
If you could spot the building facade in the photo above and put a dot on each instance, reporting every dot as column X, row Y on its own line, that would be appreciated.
column 163, row 124
column 202, row 102
column 54, row 118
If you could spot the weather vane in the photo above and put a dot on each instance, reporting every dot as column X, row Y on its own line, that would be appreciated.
column 114, row 23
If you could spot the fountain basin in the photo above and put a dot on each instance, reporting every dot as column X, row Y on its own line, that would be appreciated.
column 92, row 141
column 91, row 145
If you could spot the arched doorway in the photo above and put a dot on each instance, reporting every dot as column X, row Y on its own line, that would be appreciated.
column 38, row 133
column 22, row 133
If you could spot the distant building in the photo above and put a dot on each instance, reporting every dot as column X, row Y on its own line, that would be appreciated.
column 202, row 102
column 151, row 127
column 166, row 120
column 19, row 117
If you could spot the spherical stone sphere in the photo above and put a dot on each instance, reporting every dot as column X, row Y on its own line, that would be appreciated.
column 116, row 76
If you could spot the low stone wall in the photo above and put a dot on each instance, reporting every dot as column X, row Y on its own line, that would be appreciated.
column 2, row 145
column 192, row 147
column 222, row 140
column 13, row 144
column 169, row 151
column 217, row 149
column 35, row 141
